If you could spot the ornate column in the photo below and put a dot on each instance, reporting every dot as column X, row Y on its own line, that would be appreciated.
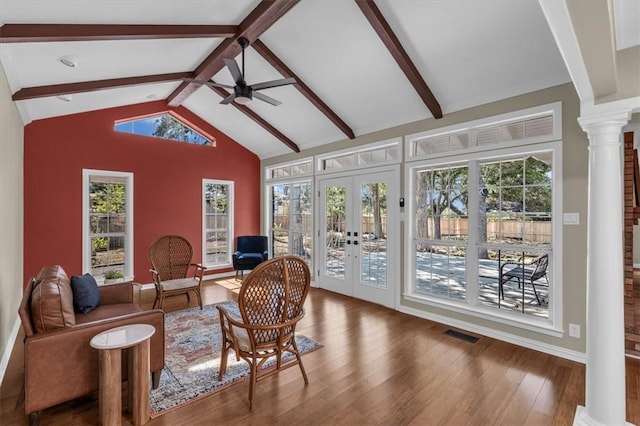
column 605, row 369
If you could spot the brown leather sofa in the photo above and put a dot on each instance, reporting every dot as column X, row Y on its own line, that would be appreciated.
column 59, row 363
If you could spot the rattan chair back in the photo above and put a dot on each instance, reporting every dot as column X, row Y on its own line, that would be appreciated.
column 273, row 294
column 270, row 302
column 171, row 255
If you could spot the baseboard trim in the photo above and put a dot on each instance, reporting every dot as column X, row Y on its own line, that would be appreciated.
column 7, row 353
column 499, row 335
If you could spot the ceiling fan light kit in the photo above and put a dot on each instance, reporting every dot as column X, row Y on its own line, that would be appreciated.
column 243, row 93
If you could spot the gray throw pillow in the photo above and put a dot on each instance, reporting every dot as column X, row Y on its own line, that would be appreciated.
column 86, row 296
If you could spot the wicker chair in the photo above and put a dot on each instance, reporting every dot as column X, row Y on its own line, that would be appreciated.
column 170, row 258
column 270, row 303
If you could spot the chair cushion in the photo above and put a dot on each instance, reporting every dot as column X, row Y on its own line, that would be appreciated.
column 86, row 295
column 179, row 284
column 107, row 312
column 250, row 258
column 52, row 300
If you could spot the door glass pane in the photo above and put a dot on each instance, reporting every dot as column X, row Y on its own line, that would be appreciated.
column 291, row 227
column 280, row 196
column 335, row 202
column 373, row 232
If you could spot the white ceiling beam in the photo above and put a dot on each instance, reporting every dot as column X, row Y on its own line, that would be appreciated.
column 593, row 24
column 559, row 20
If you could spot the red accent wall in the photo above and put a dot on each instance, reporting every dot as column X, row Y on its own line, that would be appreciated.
column 167, row 177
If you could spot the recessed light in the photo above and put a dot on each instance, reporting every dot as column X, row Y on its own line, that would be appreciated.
column 69, row 60
column 65, row 98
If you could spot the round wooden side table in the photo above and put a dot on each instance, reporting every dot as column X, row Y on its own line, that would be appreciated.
column 110, row 343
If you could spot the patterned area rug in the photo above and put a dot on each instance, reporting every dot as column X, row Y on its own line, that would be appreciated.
column 192, row 358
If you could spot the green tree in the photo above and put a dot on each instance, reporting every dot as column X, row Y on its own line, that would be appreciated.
column 440, row 191
column 374, row 201
column 170, row 128
column 107, row 211
column 336, row 203
column 519, row 185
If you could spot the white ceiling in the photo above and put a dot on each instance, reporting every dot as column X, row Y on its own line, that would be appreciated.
column 469, row 52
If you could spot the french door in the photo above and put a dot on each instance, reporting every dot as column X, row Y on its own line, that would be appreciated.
column 358, row 235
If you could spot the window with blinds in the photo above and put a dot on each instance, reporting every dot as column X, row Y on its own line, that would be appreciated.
column 538, row 127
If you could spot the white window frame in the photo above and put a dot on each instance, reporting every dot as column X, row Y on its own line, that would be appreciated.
column 230, row 209
column 296, row 177
column 86, row 237
column 319, row 159
column 554, row 324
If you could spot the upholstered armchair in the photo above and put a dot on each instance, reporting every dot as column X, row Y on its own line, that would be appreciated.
column 251, row 250
column 59, row 363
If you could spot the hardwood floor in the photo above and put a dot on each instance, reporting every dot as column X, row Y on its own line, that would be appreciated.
column 377, row 367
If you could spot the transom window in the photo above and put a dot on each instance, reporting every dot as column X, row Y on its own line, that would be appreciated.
column 217, row 222
column 284, row 171
column 386, row 152
column 166, row 126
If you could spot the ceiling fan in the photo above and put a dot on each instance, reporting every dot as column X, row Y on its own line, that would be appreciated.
column 243, row 93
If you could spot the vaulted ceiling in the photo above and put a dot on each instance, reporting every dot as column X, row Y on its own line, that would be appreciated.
column 360, row 66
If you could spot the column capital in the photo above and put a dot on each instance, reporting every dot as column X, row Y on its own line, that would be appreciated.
column 606, row 123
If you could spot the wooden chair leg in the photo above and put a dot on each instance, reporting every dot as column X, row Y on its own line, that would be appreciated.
column 223, row 361
column 299, row 358
column 155, row 378
column 34, row 418
column 252, row 383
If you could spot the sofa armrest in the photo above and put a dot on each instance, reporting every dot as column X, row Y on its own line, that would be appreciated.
column 116, row 293
column 63, row 359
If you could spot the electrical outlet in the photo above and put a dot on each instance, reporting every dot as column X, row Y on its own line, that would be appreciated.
column 574, row 330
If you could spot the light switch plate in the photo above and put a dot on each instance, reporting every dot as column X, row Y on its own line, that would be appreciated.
column 574, row 330
column 571, row 218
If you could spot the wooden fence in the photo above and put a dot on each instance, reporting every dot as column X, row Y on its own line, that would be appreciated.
column 538, row 231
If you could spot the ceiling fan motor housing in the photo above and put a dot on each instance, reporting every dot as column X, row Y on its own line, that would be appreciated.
column 243, row 91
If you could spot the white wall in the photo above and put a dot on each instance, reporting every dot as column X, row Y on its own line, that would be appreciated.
column 11, row 220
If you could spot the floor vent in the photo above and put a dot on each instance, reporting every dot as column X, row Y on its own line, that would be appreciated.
column 461, row 336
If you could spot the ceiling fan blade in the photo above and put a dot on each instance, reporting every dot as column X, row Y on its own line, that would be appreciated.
column 228, row 99
column 234, row 70
column 206, row 83
column 273, row 83
column 265, row 98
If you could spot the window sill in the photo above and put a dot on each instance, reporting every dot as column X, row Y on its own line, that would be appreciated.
column 527, row 323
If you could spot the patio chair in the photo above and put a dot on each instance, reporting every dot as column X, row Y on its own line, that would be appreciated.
column 525, row 273
column 170, row 258
column 270, row 305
